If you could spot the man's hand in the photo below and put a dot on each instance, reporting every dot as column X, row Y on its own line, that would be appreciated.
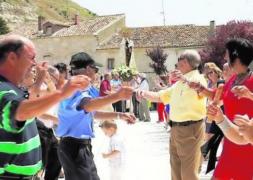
column 129, row 118
column 125, row 93
column 195, row 85
column 245, row 127
column 176, row 75
column 215, row 113
column 75, row 83
column 41, row 73
column 242, row 92
column 140, row 94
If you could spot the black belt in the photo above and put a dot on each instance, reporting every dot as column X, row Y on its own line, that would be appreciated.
column 185, row 123
column 8, row 177
column 76, row 140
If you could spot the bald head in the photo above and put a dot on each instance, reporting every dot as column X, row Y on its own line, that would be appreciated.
column 13, row 43
column 17, row 57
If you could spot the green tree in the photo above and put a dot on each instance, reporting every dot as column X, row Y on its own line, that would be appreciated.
column 215, row 47
column 3, row 26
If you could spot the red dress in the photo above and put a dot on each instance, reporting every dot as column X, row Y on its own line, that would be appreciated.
column 236, row 161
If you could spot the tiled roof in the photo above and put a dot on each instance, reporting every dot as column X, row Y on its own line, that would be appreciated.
column 58, row 23
column 164, row 36
column 88, row 26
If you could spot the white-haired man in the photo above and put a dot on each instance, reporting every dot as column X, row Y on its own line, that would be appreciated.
column 187, row 111
column 144, row 113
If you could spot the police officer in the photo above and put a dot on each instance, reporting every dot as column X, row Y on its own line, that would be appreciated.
column 76, row 116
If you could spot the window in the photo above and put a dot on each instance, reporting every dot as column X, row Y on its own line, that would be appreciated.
column 110, row 63
column 49, row 30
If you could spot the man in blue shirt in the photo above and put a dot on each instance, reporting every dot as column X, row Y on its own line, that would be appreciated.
column 76, row 116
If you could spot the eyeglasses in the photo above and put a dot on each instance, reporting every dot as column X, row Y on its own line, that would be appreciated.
column 211, row 72
column 180, row 58
column 94, row 68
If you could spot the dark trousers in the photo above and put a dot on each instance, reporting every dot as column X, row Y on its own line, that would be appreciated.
column 77, row 159
column 49, row 146
column 135, row 105
column 118, row 107
column 53, row 165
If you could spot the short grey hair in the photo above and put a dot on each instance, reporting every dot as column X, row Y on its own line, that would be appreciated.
column 142, row 75
column 192, row 57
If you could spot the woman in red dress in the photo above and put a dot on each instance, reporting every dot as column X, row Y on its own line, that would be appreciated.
column 236, row 160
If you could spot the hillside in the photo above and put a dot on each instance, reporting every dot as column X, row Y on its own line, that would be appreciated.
column 27, row 11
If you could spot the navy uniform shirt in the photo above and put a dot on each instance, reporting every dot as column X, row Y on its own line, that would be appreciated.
column 73, row 121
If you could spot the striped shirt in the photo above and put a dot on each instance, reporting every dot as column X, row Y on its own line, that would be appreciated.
column 20, row 152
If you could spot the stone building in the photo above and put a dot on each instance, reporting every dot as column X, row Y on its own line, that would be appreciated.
column 102, row 38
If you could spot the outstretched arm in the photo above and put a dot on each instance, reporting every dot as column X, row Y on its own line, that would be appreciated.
column 28, row 109
column 129, row 118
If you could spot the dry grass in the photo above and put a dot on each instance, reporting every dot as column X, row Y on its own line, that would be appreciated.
column 60, row 10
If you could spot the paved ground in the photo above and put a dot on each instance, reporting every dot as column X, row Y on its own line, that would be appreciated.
column 147, row 152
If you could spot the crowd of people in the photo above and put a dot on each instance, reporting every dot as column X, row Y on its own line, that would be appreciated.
column 48, row 112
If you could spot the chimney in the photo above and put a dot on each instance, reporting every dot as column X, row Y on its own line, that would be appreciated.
column 41, row 20
column 77, row 19
column 212, row 28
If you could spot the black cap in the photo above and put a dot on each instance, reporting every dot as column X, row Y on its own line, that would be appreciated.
column 82, row 60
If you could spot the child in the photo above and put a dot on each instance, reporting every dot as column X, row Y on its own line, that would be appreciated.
column 116, row 154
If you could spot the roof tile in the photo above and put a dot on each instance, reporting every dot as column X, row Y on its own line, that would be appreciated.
column 164, row 36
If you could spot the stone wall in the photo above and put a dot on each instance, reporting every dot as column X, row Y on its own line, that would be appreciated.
column 61, row 49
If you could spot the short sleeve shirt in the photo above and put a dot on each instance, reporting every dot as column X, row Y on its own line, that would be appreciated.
column 75, row 122
column 117, row 143
column 20, row 151
column 185, row 103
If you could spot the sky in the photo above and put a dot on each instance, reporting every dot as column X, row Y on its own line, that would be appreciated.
column 148, row 12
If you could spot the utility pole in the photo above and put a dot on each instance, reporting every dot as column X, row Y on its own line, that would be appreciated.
column 163, row 13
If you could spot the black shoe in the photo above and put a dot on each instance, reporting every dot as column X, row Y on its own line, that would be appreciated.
column 147, row 120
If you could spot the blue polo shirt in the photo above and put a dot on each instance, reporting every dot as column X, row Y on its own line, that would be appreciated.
column 74, row 122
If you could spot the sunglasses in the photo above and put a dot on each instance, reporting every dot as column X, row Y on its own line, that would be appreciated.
column 211, row 72
column 94, row 68
column 180, row 58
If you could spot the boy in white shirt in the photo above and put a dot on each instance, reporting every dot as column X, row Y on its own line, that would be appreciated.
column 116, row 154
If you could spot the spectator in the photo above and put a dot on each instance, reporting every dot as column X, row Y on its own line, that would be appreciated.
column 116, row 84
column 144, row 113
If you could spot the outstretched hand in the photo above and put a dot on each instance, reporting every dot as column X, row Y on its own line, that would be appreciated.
column 215, row 113
column 75, row 83
column 125, row 93
column 129, row 118
column 242, row 92
column 140, row 94
column 176, row 75
column 245, row 127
